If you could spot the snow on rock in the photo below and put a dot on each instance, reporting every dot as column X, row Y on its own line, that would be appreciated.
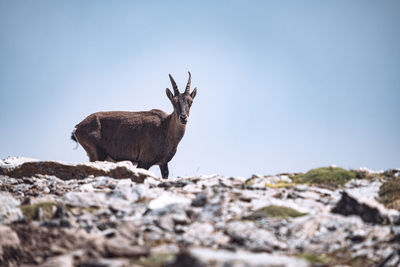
column 9, row 208
column 167, row 199
column 23, row 167
column 207, row 257
column 12, row 162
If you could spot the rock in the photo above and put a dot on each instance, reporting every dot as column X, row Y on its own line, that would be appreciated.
column 166, row 223
column 200, row 200
column 247, row 234
column 273, row 211
column 85, row 199
column 200, row 234
column 9, row 210
column 350, row 206
column 89, row 220
column 65, row 171
column 167, row 199
column 9, row 246
column 59, row 261
column 165, row 249
column 208, row 257
column 120, row 247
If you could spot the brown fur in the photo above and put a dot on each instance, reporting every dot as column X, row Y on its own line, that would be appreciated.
column 145, row 138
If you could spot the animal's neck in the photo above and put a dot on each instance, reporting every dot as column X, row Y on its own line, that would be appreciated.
column 176, row 130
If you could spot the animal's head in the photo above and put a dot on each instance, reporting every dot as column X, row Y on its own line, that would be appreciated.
column 181, row 102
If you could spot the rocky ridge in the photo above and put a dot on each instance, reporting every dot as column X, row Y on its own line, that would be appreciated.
column 112, row 214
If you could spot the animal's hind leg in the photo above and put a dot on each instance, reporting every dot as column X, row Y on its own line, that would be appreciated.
column 164, row 170
column 110, row 159
column 101, row 154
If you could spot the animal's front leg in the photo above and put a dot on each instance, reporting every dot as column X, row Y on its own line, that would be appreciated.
column 164, row 170
column 143, row 165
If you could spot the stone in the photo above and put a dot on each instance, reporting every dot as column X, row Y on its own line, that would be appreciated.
column 167, row 199
column 200, row 199
column 120, row 247
column 219, row 258
column 19, row 168
column 112, row 220
column 85, row 199
column 350, row 206
column 9, row 208
column 9, row 246
column 59, row 261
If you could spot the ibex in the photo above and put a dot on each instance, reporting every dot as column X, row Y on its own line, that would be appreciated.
column 145, row 138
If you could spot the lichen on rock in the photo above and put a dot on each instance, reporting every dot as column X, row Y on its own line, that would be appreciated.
column 389, row 193
column 274, row 211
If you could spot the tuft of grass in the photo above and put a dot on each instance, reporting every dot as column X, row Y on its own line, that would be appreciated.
column 359, row 174
column 339, row 257
column 39, row 211
column 330, row 176
column 281, row 184
column 389, row 194
column 313, row 258
column 274, row 211
column 344, row 257
column 249, row 181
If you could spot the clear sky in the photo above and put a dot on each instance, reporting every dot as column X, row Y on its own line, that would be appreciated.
column 282, row 85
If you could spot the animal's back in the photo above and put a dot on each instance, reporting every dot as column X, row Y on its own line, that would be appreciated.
column 122, row 134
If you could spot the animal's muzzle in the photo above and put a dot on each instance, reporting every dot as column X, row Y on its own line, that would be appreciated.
column 183, row 119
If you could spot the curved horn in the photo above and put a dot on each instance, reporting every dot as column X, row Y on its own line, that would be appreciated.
column 176, row 91
column 188, row 83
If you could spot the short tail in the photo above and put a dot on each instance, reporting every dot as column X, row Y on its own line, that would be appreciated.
column 74, row 139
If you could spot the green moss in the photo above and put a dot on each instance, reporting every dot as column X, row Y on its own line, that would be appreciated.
column 345, row 257
column 339, row 257
column 281, row 184
column 273, row 211
column 330, row 176
column 39, row 211
column 358, row 174
column 389, row 193
column 313, row 258
column 155, row 260
column 249, row 181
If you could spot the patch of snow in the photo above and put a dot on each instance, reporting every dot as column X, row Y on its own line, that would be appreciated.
column 247, row 258
column 86, row 188
column 167, row 199
column 85, row 199
column 367, row 192
column 365, row 169
column 12, row 162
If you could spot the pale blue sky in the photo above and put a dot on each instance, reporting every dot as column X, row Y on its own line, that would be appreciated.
column 282, row 85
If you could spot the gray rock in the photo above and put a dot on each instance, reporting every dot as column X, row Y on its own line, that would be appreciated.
column 103, row 221
column 59, row 261
column 85, row 199
column 350, row 206
column 220, row 258
column 18, row 168
column 9, row 245
column 9, row 208
column 121, row 247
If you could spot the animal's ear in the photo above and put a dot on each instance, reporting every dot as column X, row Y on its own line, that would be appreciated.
column 169, row 94
column 193, row 93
